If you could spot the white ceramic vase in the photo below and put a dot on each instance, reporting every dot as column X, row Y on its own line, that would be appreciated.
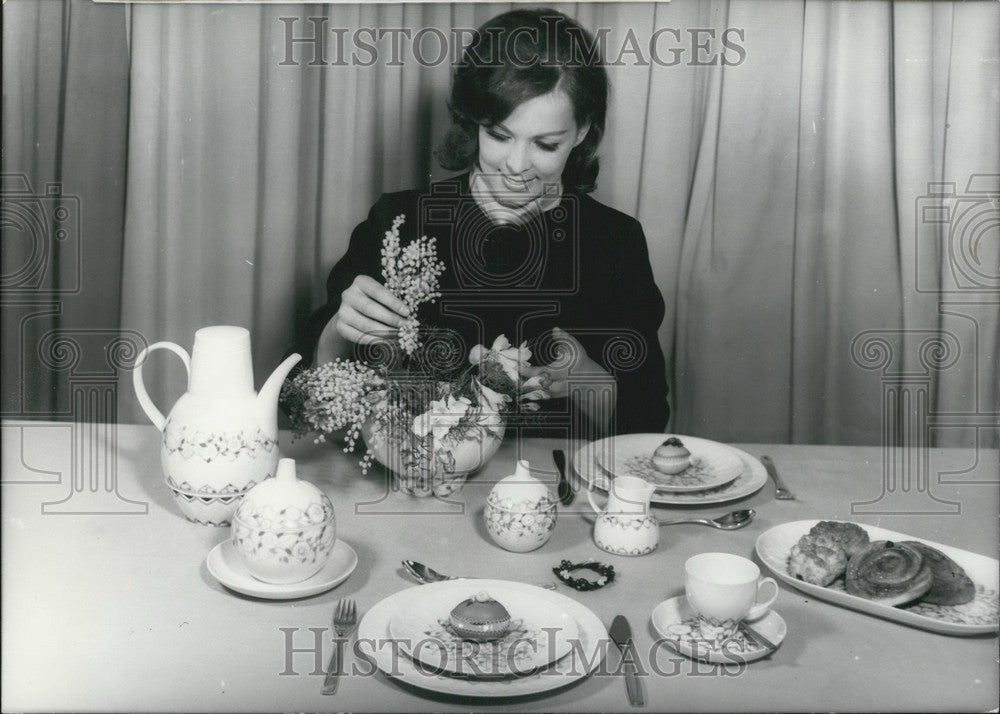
column 427, row 467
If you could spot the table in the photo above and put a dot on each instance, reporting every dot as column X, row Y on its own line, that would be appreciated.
column 117, row 610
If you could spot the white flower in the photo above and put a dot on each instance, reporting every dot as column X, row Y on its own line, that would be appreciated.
column 539, row 381
column 511, row 359
column 441, row 417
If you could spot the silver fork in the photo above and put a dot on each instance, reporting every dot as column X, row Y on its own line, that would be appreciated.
column 781, row 491
column 345, row 618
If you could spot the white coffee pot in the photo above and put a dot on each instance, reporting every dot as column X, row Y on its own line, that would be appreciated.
column 221, row 437
column 626, row 526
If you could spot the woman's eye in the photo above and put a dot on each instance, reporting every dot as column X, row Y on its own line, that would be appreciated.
column 496, row 135
column 547, row 147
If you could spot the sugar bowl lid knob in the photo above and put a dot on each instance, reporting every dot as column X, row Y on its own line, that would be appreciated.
column 288, row 494
column 521, row 487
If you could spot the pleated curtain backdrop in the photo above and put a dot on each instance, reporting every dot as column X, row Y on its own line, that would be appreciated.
column 779, row 194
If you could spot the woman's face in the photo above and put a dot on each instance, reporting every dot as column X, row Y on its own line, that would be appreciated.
column 521, row 154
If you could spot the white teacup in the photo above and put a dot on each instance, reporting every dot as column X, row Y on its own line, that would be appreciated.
column 725, row 589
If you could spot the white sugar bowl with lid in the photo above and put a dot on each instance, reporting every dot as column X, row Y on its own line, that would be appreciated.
column 520, row 512
column 284, row 528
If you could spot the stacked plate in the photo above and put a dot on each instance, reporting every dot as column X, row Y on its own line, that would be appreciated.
column 553, row 640
column 717, row 472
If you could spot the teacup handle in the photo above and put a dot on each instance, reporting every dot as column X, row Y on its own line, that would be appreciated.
column 760, row 608
column 154, row 414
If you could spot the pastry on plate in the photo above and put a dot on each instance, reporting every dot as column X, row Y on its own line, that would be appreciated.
column 891, row 573
column 949, row 583
column 671, row 457
column 815, row 562
column 852, row 538
column 480, row 618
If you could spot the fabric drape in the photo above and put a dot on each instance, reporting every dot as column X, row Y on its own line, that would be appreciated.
column 65, row 117
column 781, row 190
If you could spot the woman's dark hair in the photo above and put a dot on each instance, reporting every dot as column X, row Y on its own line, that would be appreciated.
column 517, row 56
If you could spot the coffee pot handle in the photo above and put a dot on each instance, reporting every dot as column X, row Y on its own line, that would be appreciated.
column 154, row 414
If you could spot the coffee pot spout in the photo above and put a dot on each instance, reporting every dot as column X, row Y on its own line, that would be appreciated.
column 267, row 397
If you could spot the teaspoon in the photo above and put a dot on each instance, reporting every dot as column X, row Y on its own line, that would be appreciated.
column 425, row 575
column 728, row 522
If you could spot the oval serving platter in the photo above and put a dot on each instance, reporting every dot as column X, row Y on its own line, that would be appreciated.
column 974, row 618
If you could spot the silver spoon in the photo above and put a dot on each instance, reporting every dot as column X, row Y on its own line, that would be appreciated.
column 728, row 522
column 425, row 575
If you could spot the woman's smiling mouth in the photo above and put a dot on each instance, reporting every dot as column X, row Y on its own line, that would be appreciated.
column 514, row 184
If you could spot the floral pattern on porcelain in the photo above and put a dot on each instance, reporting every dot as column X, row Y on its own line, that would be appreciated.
column 207, row 493
column 723, row 638
column 981, row 610
column 520, row 530
column 540, row 504
column 266, row 517
column 209, row 446
column 505, row 655
column 625, row 523
column 632, row 535
column 309, row 544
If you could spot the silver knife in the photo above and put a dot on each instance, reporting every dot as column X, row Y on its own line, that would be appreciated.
column 621, row 634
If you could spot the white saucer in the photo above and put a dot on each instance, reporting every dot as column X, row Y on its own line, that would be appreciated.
column 226, row 566
column 676, row 622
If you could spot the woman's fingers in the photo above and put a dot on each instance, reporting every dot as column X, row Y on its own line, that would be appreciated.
column 377, row 291
column 352, row 324
column 355, row 335
column 363, row 304
column 369, row 312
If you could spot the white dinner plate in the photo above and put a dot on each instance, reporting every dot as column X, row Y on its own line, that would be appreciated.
column 712, row 464
column 751, row 479
column 541, row 632
column 226, row 566
column 678, row 626
column 976, row 617
column 587, row 652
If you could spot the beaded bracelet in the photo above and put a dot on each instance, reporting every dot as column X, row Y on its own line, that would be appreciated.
column 606, row 573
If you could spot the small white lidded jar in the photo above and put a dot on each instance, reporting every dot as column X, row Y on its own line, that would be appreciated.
column 284, row 528
column 520, row 512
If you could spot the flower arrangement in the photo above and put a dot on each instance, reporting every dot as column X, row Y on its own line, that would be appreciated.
column 416, row 404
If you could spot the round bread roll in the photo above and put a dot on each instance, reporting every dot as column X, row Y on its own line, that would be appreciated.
column 949, row 583
column 816, row 563
column 891, row 573
column 849, row 536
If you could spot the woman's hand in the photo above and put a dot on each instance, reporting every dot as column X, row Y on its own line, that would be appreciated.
column 574, row 374
column 368, row 313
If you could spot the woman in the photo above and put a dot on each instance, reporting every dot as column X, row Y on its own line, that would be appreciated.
column 528, row 253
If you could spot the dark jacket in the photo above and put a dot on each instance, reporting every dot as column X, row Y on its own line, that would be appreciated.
column 582, row 267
